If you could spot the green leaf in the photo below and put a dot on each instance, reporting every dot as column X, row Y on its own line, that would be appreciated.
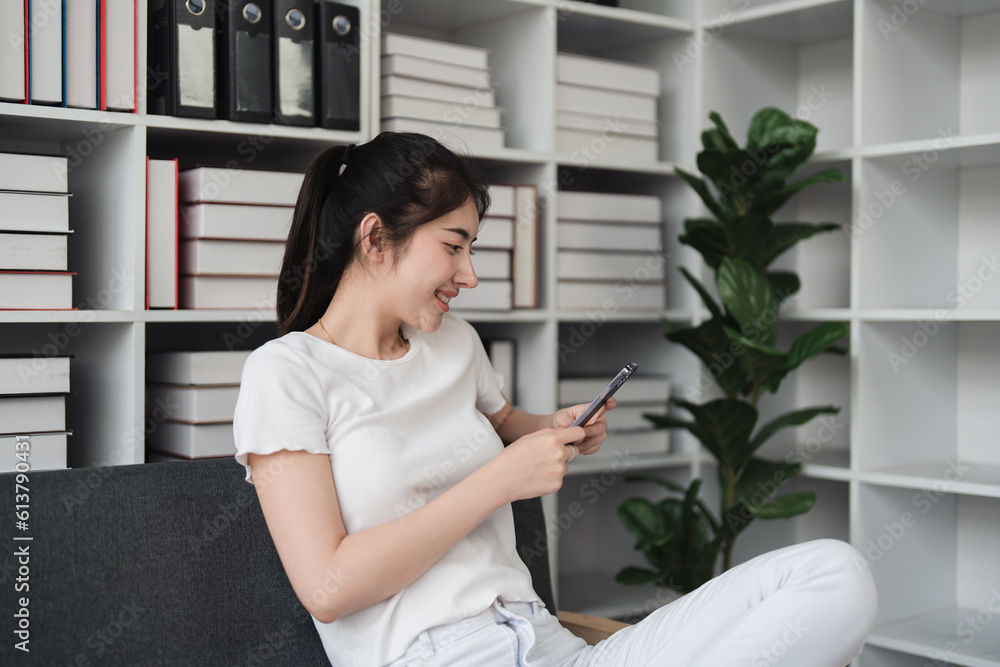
column 701, row 188
column 706, row 298
column 641, row 518
column 666, row 421
column 768, row 203
column 722, row 137
column 765, row 365
column 707, row 237
column 726, row 424
column 637, row 576
column 815, row 341
column 722, row 167
column 784, row 284
column 709, row 343
column 761, row 479
column 748, row 236
column 794, row 418
column 787, row 234
column 780, row 144
column 748, row 297
column 786, row 506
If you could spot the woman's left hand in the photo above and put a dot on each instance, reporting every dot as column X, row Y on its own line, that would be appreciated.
column 596, row 431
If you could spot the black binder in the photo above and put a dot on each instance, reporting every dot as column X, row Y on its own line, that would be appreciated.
column 243, row 60
column 181, row 72
column 293, row 62
column 338, row 66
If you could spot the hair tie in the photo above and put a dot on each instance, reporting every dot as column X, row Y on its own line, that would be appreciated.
column 343, row 163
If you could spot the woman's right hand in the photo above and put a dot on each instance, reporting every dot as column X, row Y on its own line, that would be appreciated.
column 534, row 465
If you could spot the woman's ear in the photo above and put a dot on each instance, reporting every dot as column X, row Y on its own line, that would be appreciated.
column 372, row 238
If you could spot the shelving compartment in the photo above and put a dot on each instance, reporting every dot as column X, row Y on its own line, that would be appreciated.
column 765, row 63
column 642, row 44
column 926, row 405
column 947, row 543
column 532, row 358
column 929, row 70
column 103, row 248
column 925, row 226
column 520, row 39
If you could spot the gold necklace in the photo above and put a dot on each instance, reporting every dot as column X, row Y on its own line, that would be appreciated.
column 399, row 332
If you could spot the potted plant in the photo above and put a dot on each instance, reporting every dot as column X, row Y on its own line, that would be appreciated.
column 742, row 188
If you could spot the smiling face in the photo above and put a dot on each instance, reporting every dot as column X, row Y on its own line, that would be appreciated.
column 434, row 266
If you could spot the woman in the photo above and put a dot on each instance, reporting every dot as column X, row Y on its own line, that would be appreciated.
column 374, row 426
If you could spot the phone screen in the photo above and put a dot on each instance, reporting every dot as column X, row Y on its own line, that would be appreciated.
column 605, row 394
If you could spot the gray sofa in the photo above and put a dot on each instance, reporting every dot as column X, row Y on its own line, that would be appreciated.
column 164, row 564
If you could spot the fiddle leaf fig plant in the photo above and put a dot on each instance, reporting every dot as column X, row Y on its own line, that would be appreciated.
column 742, row 188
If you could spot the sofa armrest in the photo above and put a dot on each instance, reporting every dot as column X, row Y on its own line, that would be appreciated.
column 591, row 629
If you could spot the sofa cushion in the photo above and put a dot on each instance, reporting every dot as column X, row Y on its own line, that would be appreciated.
column 166, row 564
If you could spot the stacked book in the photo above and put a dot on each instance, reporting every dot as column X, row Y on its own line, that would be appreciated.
column 606, row 109
column 233, row 227
column 506, row 253
column 34, row 233
column 629, row 433
column 191, row 399
column 610, row 251
column 440, row 89
column 80, row 53
column 33, row 413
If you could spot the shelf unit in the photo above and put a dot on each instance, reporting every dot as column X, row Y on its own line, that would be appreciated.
column 905, row 96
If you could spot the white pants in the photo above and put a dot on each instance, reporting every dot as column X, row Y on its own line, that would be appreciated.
column 808, row 605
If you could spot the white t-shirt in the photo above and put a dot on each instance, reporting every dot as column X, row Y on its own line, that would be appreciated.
column 399, row 433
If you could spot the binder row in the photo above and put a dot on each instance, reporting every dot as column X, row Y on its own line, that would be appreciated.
column 69, row 53
column 290, row 62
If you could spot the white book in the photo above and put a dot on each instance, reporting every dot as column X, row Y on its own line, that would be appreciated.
column 81, row 54
column 229, row 292
column 459, row 96
column 46, row 451
column 611, row 296
column 161, row 233
column 501, row 352
column 492, row 264
column 36, row 290
column 488, row 295
column 593, row 265
column 456, row 74
column 607, row 127
column 33, row 252
column 572, row 235
column 602, row 73
column 239, row 186
column 193, row 403
column 629, row 416
column 460, row 138
column 34, row 375
column 193, row 441
column 33, row 173
column 525, row 261
column 12, row 83
column 229, row 257
column 45, row 46
column 235, row 221
column 620, row 147
column 120, row 54
column 32, row 414
column 502, row 200
column 495, row 233
column 188, row 367
column 432, row 49
column 406, row 106
column 581, row 99
column 31, row 212
column 639, row 389
column 609, row 207
column 625, row 445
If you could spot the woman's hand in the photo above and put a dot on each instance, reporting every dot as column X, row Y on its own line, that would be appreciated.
column 534, row 465
column 596, row 431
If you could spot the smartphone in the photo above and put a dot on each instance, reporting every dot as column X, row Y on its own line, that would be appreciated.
column 605, row 394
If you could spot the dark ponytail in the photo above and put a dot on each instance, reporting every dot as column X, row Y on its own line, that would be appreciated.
column 406, row 179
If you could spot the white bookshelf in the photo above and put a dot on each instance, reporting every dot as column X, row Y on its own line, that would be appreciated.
column 910, row 106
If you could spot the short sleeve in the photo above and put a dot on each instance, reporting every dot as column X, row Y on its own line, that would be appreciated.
column 281, row 405
column 489, row 383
